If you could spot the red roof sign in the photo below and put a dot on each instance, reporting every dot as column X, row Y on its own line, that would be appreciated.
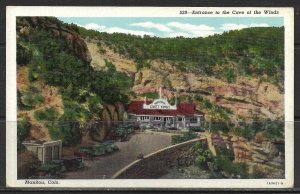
column 183, row 109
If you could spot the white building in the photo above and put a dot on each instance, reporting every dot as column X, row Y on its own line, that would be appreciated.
column 159, row 113
column 46, row 151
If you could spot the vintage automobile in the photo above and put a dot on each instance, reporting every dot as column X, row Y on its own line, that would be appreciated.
column 96, row 150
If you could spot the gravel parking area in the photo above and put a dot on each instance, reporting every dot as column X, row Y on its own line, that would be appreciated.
column 105, row 166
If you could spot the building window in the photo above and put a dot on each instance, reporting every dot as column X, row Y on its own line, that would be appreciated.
column 144, row 118
column 157, row 118
column 48, row 154
column 179, row 118
column 193, row 120
column 201, row 118
column 55, row 153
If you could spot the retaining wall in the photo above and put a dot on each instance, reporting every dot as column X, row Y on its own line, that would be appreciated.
column 158, row 163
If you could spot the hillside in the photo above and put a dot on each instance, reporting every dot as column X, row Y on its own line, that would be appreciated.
column 233, row 85
column 51, row 54
column 250, row 52
column 246, row 97
column 68, row 73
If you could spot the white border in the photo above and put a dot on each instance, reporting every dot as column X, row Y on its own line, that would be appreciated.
column 11, row 102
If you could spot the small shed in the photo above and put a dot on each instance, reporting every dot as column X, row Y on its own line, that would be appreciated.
column 46, row 151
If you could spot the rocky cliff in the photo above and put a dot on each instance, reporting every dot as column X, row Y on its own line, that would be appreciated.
column 246, row 97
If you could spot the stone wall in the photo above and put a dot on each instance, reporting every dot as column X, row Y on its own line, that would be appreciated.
column 158, row 163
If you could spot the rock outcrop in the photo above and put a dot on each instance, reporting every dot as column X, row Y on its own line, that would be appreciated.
column 111, row 116
column 56, row 27
column 246, row 97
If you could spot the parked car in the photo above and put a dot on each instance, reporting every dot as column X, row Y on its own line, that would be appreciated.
column 109, row 148
column 146, row 126
column 96, row 150
column 84, row 152
column 172, row 128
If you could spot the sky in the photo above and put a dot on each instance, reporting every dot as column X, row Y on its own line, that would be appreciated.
column 172, row 26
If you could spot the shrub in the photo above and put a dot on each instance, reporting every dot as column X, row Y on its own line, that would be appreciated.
column 67, row 128
column 239, row 169
column 206, row 104
column 30, row 99
column 274, row 129
column 236, row 131
column 138, row 66
column 48, row 114
column 175, row 139
column 68, row 131
column 110, row 66
column 223, row 162
column 249, row 132
column 150, row 95
column 98, row 149
column 122, row 131
column 219, row 126
column 228, row 153
column 230, row 76
column 189, row 135
column 24, row 54
column 51, row 168
column 203, row 154
column 196, row 129
column 23, row 128
column 54, row 130
column 95, row 104
column 102, row 50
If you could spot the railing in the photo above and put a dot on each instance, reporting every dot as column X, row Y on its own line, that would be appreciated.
column 158, row 163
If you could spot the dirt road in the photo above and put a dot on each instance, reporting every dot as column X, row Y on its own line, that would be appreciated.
column 105, row 166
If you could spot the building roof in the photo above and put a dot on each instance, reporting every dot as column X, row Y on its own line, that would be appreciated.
column 39, row 142
column 187, row 109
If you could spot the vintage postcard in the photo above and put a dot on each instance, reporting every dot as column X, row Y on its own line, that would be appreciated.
column 150, row 97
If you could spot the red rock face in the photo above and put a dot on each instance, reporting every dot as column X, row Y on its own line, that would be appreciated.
column 241, row 151
column 234, row 91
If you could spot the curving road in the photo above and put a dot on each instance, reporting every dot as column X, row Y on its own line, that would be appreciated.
column 105, row 166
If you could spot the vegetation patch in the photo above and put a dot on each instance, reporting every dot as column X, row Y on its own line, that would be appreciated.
column 216, row 112
column 150, row 95
column 23, row 129
column 50, row 59
column 48, row 114
column 221, row 165
column 270, row 129
column 189, row 135
column 29, row 99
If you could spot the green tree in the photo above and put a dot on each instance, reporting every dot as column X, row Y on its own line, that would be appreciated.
column 48, row 114
column 230, row 76
column 24, row 54
column 23, row 128
column 30, row 99
column 203, row 154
